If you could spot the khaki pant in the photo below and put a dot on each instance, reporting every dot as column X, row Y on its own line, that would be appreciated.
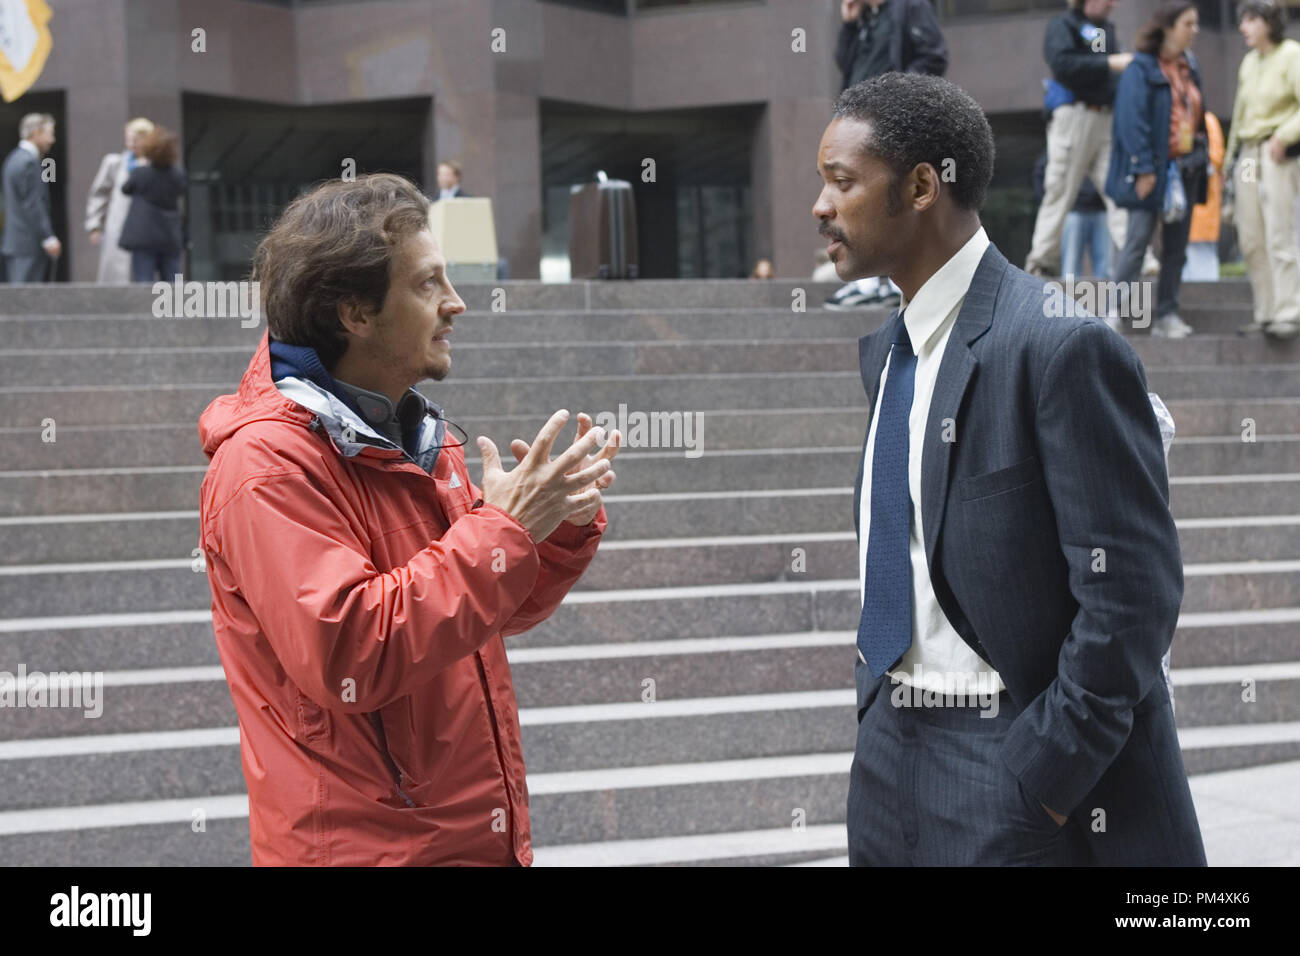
column 1266, row 222
column 1078, row 145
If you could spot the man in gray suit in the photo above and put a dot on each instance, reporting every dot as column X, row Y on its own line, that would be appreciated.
column 29, row 241
column 1020, row 569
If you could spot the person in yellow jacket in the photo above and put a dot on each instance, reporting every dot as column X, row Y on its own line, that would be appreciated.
column 1202, row 263
column 1265, row 129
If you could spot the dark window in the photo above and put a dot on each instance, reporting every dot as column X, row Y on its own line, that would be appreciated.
column 616, row 7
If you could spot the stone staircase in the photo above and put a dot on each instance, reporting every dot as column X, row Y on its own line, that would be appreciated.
column 743, row 754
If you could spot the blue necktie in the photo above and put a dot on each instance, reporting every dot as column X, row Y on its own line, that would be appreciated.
column 885, row 629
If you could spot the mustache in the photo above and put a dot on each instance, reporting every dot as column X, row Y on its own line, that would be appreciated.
column 828, row 234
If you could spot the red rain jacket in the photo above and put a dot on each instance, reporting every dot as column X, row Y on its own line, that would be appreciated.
column 359, row 605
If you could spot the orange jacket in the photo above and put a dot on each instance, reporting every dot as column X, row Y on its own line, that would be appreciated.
column 359, row 604
column 1206, row 215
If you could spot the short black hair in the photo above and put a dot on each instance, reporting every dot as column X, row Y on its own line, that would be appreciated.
column 1268, row 11
column 916, row 118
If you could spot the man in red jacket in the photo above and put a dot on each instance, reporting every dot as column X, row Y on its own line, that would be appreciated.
column 361, row 583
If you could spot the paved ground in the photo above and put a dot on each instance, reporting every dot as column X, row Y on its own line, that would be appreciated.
column 1250, row 817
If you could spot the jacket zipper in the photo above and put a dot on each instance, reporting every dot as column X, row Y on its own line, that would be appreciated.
column 317, row 424
column 378, row 722
column 496, row 740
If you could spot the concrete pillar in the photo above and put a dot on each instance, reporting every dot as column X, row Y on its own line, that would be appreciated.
column 95, row 112
column 785, row 187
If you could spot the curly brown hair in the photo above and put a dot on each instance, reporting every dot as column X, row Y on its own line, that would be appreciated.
column 162, row 148
column 332, row 245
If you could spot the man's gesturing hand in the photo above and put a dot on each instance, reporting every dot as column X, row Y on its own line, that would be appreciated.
column 541, row 493
column 585, row 512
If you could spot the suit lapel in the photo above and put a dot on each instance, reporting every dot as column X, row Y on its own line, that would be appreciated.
column 955, row 374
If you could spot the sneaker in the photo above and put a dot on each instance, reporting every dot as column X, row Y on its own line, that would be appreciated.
column 1252, row 327
column 1284, row 329
column 850, row 296
column 1170, row 327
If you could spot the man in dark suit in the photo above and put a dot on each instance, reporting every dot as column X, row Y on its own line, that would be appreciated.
column 449, row 181
column 1020, row 568
column 29, row 241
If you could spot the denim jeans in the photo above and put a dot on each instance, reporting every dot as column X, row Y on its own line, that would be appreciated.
column 1202, row 262
column 1085, row 230
column 1142, row 224
column 145, row 262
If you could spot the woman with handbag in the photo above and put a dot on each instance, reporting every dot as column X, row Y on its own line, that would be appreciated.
column 1266, row 134
column 152, row 230
column 1159, row 158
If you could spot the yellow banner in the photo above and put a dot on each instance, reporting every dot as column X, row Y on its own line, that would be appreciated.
column 24, row 45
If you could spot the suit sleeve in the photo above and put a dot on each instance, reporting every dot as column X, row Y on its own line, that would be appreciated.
column 331, row 616
column 28, row 186
column 101, row 191
column 563, row 556
column 1104, row 466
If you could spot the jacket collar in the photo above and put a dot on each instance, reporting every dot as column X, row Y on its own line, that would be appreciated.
column 353, row 416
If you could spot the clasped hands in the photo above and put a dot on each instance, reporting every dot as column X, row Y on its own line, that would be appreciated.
column 540, row 493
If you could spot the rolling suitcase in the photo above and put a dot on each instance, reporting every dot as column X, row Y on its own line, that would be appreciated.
column 602, row 230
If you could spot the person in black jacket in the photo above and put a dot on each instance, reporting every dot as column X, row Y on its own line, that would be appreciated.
column 152, row 231
column 1082, row 51
column 884, row 36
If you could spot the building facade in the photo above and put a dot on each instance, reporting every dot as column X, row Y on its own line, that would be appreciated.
column 713, row 110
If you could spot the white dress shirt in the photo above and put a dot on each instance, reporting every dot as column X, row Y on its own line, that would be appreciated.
column 938, row 653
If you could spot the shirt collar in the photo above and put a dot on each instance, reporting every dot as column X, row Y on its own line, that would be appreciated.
column 30, row 147
column 940, row 293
